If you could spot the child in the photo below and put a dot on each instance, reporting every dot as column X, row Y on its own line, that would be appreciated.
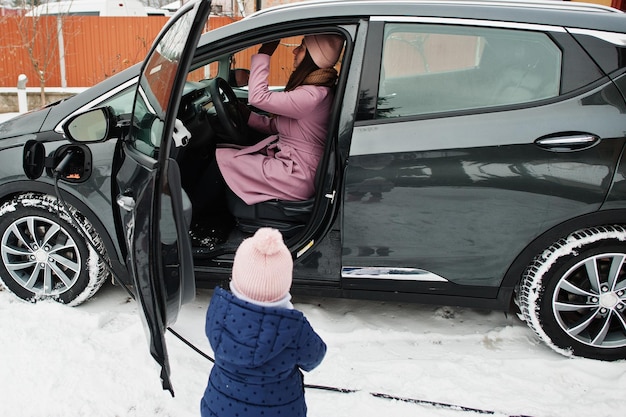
column 260, row 342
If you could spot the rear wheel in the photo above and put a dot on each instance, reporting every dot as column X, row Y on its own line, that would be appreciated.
column 573, row 295
column 44, row 255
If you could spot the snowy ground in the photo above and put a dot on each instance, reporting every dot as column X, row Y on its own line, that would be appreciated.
column 93, row 360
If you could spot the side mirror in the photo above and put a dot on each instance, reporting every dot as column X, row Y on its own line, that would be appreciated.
column 92, row 126
column 238, row 77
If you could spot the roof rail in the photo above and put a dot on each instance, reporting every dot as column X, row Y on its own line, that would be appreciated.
column 540, row 4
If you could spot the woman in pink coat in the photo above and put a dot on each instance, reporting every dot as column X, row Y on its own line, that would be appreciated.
column 283, row 165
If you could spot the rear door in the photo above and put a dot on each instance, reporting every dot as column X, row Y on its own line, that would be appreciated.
column 151, row 202
column 480, row 138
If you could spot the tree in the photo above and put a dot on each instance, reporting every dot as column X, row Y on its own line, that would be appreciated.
column 42, row 36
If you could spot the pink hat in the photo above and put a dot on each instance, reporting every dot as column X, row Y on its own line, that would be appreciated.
column 324, row 49
column 263, row 267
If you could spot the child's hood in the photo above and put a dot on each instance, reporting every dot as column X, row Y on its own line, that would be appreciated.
column 245, row 334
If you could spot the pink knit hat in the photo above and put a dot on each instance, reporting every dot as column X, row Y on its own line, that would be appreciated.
column 324, row 49
column 263, row 267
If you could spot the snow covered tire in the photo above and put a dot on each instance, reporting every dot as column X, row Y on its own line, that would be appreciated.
column 573, row 295
column 44, row 255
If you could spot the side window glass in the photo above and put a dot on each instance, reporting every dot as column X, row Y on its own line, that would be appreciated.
column 121, row 102
column 281, row 63
column 235, row 66
column 148, row 127
column 431, row 69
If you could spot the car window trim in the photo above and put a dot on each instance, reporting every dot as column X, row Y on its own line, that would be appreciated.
column 469, row 22
column 390, row 273
column 615, row 38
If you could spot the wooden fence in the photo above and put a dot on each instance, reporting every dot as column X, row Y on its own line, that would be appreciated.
column 88, row 50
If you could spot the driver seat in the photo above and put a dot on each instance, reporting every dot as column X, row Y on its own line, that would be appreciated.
column 289, row 217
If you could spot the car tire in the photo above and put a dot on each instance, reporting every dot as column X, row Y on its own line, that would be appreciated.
column 573, row 295
column 44, row 254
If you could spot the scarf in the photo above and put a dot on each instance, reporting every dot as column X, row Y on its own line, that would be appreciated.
column 325, row 77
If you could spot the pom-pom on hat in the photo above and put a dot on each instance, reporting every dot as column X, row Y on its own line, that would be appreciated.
column 324, row 49
column 262, row 270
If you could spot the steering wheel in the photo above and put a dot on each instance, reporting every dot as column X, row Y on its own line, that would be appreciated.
column 227, row 109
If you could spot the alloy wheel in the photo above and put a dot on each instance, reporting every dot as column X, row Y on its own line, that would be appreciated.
column 589, row 301
column 40, row 256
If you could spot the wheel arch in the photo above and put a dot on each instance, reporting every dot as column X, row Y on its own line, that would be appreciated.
column 514, row 274
column 13, row 189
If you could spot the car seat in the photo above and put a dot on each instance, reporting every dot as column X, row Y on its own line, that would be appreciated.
column 289, row 217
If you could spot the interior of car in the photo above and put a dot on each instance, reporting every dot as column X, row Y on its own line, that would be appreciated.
column 211, row 111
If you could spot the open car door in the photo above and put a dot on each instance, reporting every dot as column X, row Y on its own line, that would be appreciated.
column 151, row 201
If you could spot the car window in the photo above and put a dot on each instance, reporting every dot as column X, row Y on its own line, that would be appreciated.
column 148, row 127
column 224, row 66
column 121, row 102
column 434, row 68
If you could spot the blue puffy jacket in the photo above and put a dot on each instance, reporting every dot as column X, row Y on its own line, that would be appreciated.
column 259, row 352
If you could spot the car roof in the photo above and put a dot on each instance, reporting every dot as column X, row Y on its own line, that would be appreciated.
column 525, row 4
column 552, row 12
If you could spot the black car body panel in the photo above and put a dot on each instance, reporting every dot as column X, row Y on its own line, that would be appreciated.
column 461, row 184
column 23, row 124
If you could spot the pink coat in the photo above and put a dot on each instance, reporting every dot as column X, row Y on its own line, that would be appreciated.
column 283, row 165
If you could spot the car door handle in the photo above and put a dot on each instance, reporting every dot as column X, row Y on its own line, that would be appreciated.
column 568, row 142
column 126, row 202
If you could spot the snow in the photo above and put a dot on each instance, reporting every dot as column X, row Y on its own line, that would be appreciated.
column 93, row 360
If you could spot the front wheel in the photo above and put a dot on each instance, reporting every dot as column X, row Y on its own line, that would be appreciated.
column 573, row 295
column 45, row 255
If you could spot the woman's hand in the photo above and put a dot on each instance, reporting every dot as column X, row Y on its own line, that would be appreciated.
column 269, row 48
